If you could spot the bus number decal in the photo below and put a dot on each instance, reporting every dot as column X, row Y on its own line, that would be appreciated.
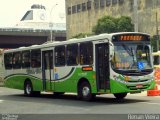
column 56, row 76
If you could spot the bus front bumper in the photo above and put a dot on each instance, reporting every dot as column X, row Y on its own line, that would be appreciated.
column 117, row 87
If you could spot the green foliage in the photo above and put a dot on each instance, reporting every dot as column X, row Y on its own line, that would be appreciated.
column 108, row 24
column 105, row 24
column 154, row 44
column 124, row 24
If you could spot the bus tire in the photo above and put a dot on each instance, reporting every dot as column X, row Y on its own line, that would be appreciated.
column 28, row 88
column 120, row 95
column 84, row 91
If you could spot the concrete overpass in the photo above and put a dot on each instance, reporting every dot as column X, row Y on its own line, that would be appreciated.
column 18, row 37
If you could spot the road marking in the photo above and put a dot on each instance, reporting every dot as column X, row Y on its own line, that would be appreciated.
column 1, row 101
column 151, row 103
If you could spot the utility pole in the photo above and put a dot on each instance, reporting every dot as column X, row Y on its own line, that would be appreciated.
column 135, row 16
column 157, row 29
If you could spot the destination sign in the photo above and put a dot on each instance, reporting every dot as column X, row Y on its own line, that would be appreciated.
column 130, row 37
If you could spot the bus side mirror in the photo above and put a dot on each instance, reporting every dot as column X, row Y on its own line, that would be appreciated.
column 111, row 51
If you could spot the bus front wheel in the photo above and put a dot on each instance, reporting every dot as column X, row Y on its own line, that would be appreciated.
column 84, row 91
column 120, row 95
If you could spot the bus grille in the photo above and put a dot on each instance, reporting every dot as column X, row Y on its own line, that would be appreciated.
column 135, row 81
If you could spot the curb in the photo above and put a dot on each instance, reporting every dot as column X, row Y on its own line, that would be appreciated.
column 139, row 94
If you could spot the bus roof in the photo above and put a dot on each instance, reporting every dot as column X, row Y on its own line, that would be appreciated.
column 74, row 40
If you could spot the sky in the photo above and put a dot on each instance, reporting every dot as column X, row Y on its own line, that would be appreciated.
column 11, row 11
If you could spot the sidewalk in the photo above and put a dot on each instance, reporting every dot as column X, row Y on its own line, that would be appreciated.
column 144, row 93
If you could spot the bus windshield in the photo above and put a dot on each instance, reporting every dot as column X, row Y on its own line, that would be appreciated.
column 132, row 57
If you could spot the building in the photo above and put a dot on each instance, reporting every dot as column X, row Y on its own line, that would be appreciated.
column 33, row 28
column 82, row 15
column 36, row 18
column 18, row 37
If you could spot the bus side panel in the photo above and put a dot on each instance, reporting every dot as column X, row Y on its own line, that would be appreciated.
column 16, row 81
column 37, row 84
column 70, row 84
column 63, row 85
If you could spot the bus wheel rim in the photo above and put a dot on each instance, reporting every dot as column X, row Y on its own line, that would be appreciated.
column 85, row 91
column 28, row 89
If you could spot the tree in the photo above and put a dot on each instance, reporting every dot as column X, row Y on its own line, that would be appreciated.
column 124, row 24
column 108, row 24
column 154, row 43
column 105, row 24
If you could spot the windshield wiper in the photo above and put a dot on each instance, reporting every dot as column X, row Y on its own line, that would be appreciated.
column 134, row 62
column 130, row 52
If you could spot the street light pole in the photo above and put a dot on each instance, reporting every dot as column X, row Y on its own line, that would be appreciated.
column 135, row 16
column 50, row 23
column 157, row 27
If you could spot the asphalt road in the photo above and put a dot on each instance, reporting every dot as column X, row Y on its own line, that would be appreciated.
column 106, row 106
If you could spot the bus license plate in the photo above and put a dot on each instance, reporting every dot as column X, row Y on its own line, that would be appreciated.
column 139, row 86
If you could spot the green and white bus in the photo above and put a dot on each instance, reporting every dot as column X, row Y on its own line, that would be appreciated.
column 102, row 64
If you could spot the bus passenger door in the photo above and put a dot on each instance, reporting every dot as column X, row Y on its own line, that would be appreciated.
column 102, row 66
column 47, row 69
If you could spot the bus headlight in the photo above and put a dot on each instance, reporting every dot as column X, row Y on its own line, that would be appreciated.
column 126, row 78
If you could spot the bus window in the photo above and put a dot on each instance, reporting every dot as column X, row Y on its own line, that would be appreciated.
column 86, row 53
column 60, row 56
column 25, row 59
column 143, row 54
column 72, row 54
column 16, row 60
column 35, row 58
column 8, row 60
